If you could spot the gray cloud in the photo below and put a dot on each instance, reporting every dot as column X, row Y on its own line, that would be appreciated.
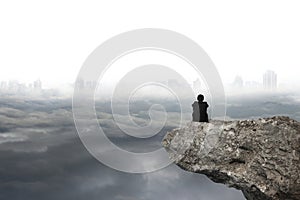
column 263, row 105
column 43, row 158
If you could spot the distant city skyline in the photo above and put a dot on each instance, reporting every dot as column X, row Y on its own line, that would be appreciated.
column 48, row 84
column 15, row 85
column 268, row 81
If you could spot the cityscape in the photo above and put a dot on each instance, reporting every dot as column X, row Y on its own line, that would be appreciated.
column 269, row 82
column 14, row 86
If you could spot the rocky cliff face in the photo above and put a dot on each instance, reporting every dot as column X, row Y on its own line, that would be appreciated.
column 260, row 157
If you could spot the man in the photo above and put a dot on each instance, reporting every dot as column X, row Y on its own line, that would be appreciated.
column 200, row 110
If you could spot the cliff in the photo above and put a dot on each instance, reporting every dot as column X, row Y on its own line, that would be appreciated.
column 259, row 157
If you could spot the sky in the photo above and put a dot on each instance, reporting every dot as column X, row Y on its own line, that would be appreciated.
column 51, row 40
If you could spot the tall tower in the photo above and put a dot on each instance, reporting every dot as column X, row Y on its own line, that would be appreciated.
column 270, row 80
column 238, row 82
column 37, row 85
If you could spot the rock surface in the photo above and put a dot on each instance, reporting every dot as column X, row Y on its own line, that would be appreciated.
column 260, row 157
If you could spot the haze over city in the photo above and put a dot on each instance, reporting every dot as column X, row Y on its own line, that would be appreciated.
column 246, row 45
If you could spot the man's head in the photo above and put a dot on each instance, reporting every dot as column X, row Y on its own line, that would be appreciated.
column 200, row 97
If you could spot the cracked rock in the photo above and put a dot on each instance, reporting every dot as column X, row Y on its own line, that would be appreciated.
column 259, row 157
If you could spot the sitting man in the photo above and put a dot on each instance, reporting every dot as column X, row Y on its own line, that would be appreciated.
column 200, row 110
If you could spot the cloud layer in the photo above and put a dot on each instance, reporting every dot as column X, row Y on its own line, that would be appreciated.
column 43, row 158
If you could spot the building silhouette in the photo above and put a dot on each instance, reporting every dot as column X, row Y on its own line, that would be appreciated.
column 238, row 82
column 270, row 80
column 3, row 85
column 81, row 84
column 37, row 85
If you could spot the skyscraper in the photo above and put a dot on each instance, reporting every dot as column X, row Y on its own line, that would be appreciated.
column 270, row 80
column 238, row 82
column 37, row 85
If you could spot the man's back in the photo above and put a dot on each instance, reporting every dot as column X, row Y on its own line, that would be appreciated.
column 196, row 112
column 203, row 111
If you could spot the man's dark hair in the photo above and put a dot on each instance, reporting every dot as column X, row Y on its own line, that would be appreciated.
column 200, row 97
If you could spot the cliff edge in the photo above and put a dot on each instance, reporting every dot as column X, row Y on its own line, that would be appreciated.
column 259, row 157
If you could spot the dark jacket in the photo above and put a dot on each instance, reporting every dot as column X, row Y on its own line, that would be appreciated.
column 203, row 111
column 200, row 111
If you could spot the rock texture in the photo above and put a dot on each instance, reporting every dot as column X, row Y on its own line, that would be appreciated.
column 260, row 157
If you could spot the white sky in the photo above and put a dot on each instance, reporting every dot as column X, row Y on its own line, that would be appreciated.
column 149, row 57
column 50, row 40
